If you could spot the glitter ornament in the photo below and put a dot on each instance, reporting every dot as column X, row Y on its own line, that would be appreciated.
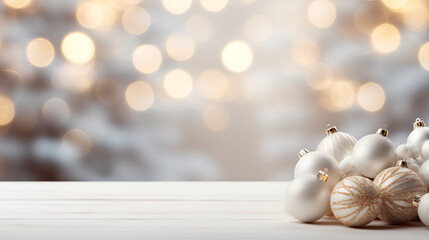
column 397, row 185
column 419, row 135
column 307, row 197
column 355, row 201
column 312, row 162
column 424, row 173
column 374, row 153
column 422, row 205
column 337, row 144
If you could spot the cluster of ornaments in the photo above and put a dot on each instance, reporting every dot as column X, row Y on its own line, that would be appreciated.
column 358, row 181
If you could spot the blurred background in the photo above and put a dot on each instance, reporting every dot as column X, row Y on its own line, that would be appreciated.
column 201, row 89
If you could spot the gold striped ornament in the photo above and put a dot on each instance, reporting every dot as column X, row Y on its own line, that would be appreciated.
column 337, row 144
column 397, row 185
column 355, row 201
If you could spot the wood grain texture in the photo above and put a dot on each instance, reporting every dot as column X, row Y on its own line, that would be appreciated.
column 167, row 210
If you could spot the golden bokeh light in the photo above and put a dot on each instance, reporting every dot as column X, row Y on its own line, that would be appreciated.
column 76, row 142
column 237, row 56
column 18, row 4
column 258, row 28
column 96, row 14
column 177, row 6
column 7, row 111
column 385, row 38
column 40, row 52
column 423, row 56
column 56, row 112
column 178, row 84
column 136, row 21
column 319, row 76
column 180, row 47
column 416, row 18
column 371, row 97
column 199, row 27
column 147, row 58
column 321, row 13
column 78, row 47
column 395, row 4
column 139, row 95
column 305, row 51
column 212, row 84
column 216, row 118
column 77, row 78
column 213, row 5
column 341, row 96
column 369, row 15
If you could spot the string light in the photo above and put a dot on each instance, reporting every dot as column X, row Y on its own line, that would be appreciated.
column 40, row 52
column 237, row 56
column 180, row 47
column 7, row 111
column 78, row 47
column 56, row 112
column 258, row 28
column 212, row 84
column 216, row 118
column 139, row 96
column 136, row 21
column 321, row 13
column 423, row 56
column 385, row 38
column 178, row 84
column 147, row 58
column 177, row 6
column 213, row 5
column 18, row 4
column 371, row 97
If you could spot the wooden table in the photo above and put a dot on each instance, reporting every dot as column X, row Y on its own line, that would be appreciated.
column 167, row 210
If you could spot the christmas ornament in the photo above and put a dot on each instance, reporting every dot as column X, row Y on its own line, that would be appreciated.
column 374, row 153
column 312, row 162
column 337, row 144
column 419, row 135
column 355, row 201
column 406, row 150
column 425, row 150
column 397, row 185
column 347, row 168
column 307, row 197
column 424, row 173
column 422, row 205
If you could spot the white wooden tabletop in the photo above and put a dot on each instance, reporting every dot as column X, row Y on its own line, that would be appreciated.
column 168, row 210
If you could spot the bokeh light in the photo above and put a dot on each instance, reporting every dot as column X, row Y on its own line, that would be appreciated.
column 40, row 52
column 76, row 143
column 199, row 27
column 369, row 15
column 77, row 78
column 237, row 56
column 319, row 76
column 136, row 21
column 416, row 18
column 180, row 47
column 55, row 111
column 395, row 4
column 147, row 58
column 212, row 84
column 423, row 56
column 213, row 5
column 341, row 96
column 96, row 14
column 7, row 111
column 177, row 6
column 18, row 4
column 78, row 47
column 371, row 97
column 305, row 51
column 321, row 13
column 216, row 117
column 385, row 38
column 178, row 84
column 139, row 95
column 258, row 28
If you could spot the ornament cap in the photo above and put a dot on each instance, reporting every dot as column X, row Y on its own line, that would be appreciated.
column 402, row 163
column 415, row 200
column 419, row 123
column 323, row 175
column 303, row 152
column 383, row 132
column 331, row 130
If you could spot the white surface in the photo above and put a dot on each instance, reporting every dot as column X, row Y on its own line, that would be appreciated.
column 167, row 210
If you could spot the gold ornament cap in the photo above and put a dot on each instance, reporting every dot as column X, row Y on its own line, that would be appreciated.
column 415, row 200
column 419, row 123
column 323, row 175
column 331, row 130
column 402, row 163
column 303, row 152
column 383, row 132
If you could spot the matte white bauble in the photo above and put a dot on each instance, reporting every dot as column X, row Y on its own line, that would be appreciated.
column 420, row 161
column 337, row 144
column 406, row 151
column 419, row 135
column 424, row 173
column 374, row 153
column 312, row 162
column 397, row 185
column 355, row 201
column 307, row 198
column 423, row 209
column 425, row 150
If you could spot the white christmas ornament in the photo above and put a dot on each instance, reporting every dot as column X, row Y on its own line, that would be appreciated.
column 355, row 201
column 374, row 153
column 425, row 150
column 311, row 162
column 397, row 185
column 337, row 144
column 424, row 173
column 406, row 151
column 419, row 135
column 422, row 205
column 307, row 197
